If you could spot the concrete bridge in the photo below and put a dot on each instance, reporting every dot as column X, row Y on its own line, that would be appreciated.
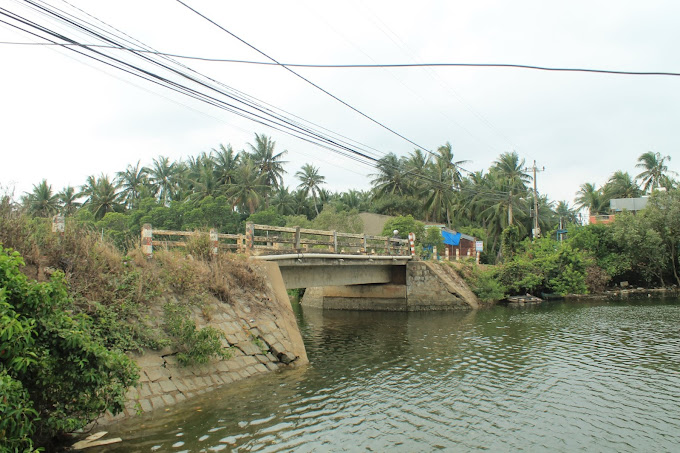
column 305, row 270
column 341, row 270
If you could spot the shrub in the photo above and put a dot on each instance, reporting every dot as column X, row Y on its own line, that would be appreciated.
column 194, row 345
column 405, row 225
column 68, row 375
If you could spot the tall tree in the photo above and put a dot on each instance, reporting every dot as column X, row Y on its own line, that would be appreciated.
column 445, row 157
column 269, row 163
column 512, row 178
column 105, row 198
column 68, row 200
column 439, row 192
column 283, row 201
column 163, row 175
column 310, row 182
column 248, row 185
column 621, row 185
column 564, row 212
column 655, row 170
column 589, row 196
column 131, row 182
column 42, row 202
column 225, row 161
column 391, row 178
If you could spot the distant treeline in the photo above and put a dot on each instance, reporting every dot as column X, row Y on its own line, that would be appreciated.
column 222, row 188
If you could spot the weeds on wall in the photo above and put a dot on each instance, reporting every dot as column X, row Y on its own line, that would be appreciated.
column 193, row 345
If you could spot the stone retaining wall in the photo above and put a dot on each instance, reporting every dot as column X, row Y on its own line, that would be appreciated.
column 261, row 336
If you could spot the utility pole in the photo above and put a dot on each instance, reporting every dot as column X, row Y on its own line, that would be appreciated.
column 536, row 232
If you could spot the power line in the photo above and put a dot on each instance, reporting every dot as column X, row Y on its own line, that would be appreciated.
column 302, row 77
column 369, row 66
column 277, row 123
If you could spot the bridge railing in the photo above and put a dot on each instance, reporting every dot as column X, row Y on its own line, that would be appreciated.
column 269, row 239
column 272, row 240
column 169, row 238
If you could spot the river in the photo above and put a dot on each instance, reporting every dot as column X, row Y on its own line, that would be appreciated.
column 562, row 376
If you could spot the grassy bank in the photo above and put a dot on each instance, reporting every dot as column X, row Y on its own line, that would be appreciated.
column 72, row 305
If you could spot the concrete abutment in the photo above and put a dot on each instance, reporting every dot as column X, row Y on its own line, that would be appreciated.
column 415, row 286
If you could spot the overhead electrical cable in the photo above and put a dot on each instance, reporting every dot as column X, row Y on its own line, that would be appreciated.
column 148, row 49
column 280, row 124
column 302, row 77
column 368, row 65
column 259, row 116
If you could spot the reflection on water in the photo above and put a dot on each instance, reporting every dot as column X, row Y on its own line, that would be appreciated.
column 560, row 377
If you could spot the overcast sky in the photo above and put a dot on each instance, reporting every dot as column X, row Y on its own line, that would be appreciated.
column 63, row 117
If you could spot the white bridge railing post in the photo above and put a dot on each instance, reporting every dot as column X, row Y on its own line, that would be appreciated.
column 147, row 240
column 214, row 241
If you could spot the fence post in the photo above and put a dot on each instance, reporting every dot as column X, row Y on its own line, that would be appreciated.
column 147, row 240
column 478, row 254
column 335, row 241
column 297, row 239
column 250, row 237
column 412, row 243
column 365, row 245
column 434, row 253
column 214, row 241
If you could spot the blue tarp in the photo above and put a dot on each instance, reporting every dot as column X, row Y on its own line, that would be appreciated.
column 451, row 238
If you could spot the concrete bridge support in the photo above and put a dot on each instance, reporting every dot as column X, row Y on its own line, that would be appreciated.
column 424, row 286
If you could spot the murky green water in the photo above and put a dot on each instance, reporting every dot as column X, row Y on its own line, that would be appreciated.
column 559, row 377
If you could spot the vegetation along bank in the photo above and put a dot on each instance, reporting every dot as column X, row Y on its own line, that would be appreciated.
column 68, row 339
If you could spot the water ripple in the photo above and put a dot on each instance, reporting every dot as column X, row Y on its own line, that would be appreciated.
column 560, row 377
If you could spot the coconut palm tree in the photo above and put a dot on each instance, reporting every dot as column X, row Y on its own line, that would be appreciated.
column 620, row 185
column 655, row 169
column 445, row 156
column 104, row 198
column 131, row 182
column 163, row 177
column 41, row 201
column 566, row 213
column 511, row 178
column 439, row 192
column 225, row 162
column 248, row 185
column 269, row 164
column 415, row 167
column 283, row 201
column 390, row 179
column 67, row 199
column 589, row 196
column 310, row 181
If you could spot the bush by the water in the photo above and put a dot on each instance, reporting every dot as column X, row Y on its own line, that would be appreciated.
column 56, row 374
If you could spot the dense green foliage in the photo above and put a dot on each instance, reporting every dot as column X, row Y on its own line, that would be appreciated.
column 55, row 368
column 224, row 187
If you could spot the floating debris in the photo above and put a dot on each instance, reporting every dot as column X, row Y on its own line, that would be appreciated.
column 95, row 440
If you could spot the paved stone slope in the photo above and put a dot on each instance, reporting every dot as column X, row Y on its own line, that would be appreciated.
column 261, row 335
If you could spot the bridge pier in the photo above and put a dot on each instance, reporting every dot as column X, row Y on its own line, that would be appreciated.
column 424, row 286
column 382, row 297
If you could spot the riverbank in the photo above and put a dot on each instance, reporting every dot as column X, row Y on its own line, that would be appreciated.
column 625, row 293
column 191, row 322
